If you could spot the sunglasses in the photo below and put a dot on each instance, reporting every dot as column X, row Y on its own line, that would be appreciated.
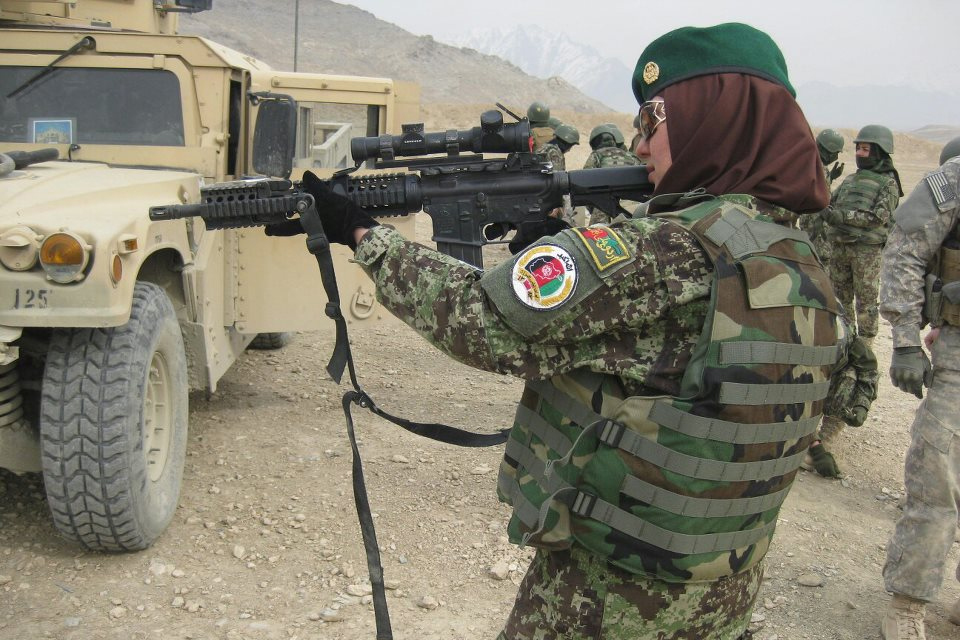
column 652, row 113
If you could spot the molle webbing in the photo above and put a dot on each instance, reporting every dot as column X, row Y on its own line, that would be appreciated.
column 587, row 505
column 741, row 235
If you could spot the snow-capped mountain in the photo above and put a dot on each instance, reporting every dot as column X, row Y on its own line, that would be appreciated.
column 544, row 54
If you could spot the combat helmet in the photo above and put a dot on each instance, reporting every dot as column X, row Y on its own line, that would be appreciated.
column 538, row 114
column 568, row 133
column 878, row 135
column 831, row 141
column 950, row 150
column 597, row 133
column 553, row 122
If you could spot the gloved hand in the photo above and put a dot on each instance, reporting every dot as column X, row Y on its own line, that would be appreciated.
column 529, row 231
column 836, row 171
column 832, row 216
column 823, row 462
column 339, row 215
column 910, row 370
column 856, row 416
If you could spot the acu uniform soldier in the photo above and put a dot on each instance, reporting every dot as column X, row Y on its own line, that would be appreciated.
column 671, row 391
column 539, row 116
column 607, row 144
column 920, row 283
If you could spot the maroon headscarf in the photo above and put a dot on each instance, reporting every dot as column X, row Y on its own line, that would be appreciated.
column 736, row 133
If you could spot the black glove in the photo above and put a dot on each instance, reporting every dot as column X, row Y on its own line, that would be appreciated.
column 339, row 215
column 910, row 370
column 823, row 462
column 529, row 231
column 288, row 228
column 836, row 171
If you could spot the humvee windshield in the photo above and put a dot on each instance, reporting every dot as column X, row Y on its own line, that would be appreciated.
column 91, row 106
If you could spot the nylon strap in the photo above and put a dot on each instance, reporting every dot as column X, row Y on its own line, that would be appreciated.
column 767, row 394
column 757, row 352
column 699, row 507
column 589, row 506
column 664, row 413
column 743, row 235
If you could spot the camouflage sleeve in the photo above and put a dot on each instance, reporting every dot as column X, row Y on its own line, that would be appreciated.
column 854, row 383
column 596, row 322
column 921, row 224
column 593, row 161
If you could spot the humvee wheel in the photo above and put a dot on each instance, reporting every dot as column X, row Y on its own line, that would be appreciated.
column 113, row 426
column 270, row 341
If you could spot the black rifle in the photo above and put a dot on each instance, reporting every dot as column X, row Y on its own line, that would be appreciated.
column 470, row 199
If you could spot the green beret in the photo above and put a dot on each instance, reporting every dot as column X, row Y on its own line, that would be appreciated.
column 693, row 51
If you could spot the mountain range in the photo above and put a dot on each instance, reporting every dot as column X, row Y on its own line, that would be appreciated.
column 516, row 66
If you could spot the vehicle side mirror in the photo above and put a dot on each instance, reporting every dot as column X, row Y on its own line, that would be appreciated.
column 275, row 134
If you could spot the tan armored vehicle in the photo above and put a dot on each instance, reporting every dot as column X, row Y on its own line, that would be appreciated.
column 107, row 319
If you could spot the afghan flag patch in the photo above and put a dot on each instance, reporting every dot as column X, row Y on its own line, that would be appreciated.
column 604, row 246
column 544, row 276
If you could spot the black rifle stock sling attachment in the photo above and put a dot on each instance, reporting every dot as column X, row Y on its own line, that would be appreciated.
column 341, row 359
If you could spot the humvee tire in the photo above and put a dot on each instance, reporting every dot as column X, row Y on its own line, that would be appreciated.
column 271, row 341
column 113, row 426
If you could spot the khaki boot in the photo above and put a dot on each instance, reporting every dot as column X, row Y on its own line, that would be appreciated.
column 954, row 614
column 903, row 619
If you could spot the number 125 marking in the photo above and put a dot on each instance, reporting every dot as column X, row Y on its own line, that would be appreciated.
column 30, row 298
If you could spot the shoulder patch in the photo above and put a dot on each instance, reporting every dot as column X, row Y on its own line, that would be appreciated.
column 604, row 246
column 940, row 188
column 544, row 277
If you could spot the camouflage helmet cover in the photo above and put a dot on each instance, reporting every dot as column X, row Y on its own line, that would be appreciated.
column 538, row 114
column 876, row 134
column 568, row 133
column 830, row 140
column 950, row 150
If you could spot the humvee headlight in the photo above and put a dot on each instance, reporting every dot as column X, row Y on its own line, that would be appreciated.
column 19, row 248
column 64, row 256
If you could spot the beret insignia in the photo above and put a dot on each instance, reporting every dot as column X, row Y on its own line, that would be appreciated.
column 651, row 72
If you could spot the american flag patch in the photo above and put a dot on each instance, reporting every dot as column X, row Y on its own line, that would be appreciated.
column 941, row 188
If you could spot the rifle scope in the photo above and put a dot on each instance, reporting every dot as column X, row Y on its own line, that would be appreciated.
column 492, row 136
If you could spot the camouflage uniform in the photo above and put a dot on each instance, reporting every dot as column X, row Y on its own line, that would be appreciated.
column 814, row 225
column 926, row 225
column 609, row 318
column 607, row 157
column 555, row 156
column 857, row 223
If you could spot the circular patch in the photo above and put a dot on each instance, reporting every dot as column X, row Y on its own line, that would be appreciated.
column 544, row 277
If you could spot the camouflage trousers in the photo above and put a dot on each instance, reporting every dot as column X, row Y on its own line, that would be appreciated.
column 855, row 272
column 917, row 551
column 575, row 595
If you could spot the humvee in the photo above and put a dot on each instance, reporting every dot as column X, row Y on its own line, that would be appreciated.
column 107, row 319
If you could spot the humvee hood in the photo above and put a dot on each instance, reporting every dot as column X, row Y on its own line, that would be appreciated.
column 49, row 193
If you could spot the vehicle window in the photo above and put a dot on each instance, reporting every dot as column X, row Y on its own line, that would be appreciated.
column 324, row 131
column 91, row 106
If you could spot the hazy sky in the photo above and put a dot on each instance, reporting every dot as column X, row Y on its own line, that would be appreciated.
column 843, row 42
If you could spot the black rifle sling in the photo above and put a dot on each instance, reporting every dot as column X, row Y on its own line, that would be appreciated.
column 341, row 358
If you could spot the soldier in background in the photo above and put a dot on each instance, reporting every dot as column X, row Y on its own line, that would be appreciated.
column 539, row 116
column 829, row 145
column 636, row 136
column 920, row 283
column 564, row 139
column 553, row 122
column 607, row 152
column 857, row 222
column 950, row 150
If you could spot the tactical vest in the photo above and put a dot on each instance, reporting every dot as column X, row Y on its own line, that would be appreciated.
column 859, row 192
column 687, row 488
column 541, row 136
column 949, row 272
column 613, row 157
